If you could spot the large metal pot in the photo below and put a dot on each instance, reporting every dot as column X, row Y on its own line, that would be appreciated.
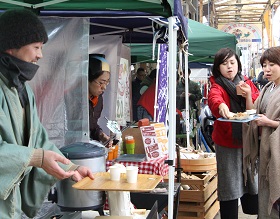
column 92, row 155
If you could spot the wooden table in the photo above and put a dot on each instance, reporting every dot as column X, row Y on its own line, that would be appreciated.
column 119, row 189
column 102, row 182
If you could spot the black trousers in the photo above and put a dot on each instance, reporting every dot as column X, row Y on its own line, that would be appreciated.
column 229, row 209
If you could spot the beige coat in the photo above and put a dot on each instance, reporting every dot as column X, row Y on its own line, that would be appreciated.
column 267, row 150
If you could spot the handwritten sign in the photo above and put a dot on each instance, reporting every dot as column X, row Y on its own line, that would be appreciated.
column 155, row 140
column 123, row 98
column 150, row 142
column 161, row 135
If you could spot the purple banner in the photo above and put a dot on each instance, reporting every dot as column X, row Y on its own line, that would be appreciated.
column 162, row 91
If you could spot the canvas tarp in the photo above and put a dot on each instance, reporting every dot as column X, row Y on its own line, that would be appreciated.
column 113, row 9
column 157, row 7
column 205, row 41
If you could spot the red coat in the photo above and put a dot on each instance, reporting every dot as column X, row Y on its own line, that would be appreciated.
column 147, row 99
column 222, row 133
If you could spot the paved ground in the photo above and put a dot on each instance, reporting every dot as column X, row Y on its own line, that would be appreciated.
column 241, row 215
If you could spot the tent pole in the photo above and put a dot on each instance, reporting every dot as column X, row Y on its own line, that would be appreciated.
column 172, row 39
column 12, row 2
column 49, row 3
column 187, row 109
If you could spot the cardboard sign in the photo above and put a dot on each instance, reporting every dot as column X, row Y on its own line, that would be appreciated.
column 155, row 140
column 151, row 146
column 161, row 135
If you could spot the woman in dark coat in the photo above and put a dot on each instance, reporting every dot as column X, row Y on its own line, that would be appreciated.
column 98, row 80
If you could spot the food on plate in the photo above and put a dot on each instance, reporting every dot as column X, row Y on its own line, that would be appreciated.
column 240, row 116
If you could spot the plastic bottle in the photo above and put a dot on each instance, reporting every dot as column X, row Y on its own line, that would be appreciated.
column 110, row 154
column 129, row 144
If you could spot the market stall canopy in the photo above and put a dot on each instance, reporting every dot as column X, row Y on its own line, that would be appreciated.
column 131, row 19
column 204, row 42
column 163, row 8
column 125, row 15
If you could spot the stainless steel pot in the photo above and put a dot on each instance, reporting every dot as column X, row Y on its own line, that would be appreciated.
column 92, row 155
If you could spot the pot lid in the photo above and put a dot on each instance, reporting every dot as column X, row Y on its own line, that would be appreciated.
column 82, row 150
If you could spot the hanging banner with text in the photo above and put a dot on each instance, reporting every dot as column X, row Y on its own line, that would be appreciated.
column 123, row 107
column 162, row 91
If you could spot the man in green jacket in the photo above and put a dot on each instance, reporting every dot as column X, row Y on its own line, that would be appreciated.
column 29, row 163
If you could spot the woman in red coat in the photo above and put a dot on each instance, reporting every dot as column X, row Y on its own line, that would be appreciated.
column 227, row 136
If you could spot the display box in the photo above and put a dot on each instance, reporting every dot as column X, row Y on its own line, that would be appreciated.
column 200, row 201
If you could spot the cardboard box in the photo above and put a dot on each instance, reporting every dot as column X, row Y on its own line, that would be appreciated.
column 136, row 133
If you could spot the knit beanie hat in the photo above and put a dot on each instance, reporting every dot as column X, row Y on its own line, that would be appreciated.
column 97, row 65
column 20, row 27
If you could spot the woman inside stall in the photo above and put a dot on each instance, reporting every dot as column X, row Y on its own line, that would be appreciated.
column 98, row 80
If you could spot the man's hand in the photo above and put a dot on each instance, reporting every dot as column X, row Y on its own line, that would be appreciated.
column 82, row 172
column 50, row 165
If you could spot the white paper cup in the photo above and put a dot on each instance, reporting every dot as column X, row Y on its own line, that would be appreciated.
column 115, row 173
column 131, row 174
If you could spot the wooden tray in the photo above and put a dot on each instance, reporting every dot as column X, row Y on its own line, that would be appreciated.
column 102, row 182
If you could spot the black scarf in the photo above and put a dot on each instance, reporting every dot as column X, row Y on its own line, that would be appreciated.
column 237, row 104
column 17, row 73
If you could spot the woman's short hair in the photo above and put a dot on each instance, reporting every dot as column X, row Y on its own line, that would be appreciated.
column 272, row 54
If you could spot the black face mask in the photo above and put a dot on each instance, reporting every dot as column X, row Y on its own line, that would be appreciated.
column 17, row 72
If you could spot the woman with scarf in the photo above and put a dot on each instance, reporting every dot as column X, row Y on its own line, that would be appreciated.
column 262, row 137
column 227, row 136
column 98, row 80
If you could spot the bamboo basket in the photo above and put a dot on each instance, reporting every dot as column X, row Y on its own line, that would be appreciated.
column 198, row 165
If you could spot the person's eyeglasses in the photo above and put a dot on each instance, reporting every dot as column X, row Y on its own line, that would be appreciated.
column 106, row 83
